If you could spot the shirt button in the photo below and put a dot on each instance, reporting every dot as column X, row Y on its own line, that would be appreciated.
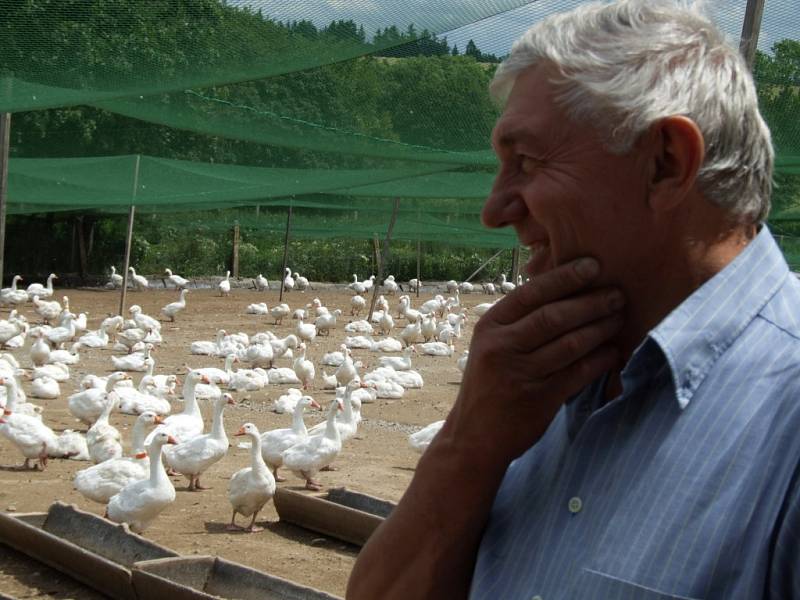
column 575, row 505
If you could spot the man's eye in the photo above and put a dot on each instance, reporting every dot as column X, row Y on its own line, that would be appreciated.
column 528, row 165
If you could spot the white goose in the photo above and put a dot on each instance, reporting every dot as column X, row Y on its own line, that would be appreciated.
column 48, row 310
column 205, row 347
column 173, row 308
column 262, row 284
column 306, row 331
column 9, row 329
column 224, row 286
column 462, row 361
column 438, row 348
column 361, row 326
column 139, row 502
column 139, row 282
column 12, row 295
column 286, row 403
column 57, row 371
column 193, row 457
column 189, row 423
column 115, row 279
column 142, row 320
column 40, row 350
column 103, row 439
column 357, row 304
column 66, row 357
column 420, row 440
column 506, row 286
column 304, row 369
column 308, row 456
column 325, row 322
column 280, row 312
column 88, row 404
column 258, row 308
column 252, row 487
column 398, row 363
column 178, row 281
column 101, row 481
column 301, row 283
column 34, row 439
column 145, row 398
column 62, row 334
column 46, row 388
column 288, row 280
column 390, row 285
column 133, row 362
column 346, row 422
column 37, row 289
column 347, row 370
column 275, row 442
column 280, row 347
column 387, row 344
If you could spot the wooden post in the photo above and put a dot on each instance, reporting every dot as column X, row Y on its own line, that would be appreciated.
column 419, row 284
column 235, row 261
column 388, row 239
column 129, row 237
column 82, row 254
column 514, row 264
column 5, row 143
column 285, row 249
column 483, row 266
column 376, row 252
column 751, row 27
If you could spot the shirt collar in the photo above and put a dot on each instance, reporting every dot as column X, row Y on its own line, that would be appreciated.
column 699, row 330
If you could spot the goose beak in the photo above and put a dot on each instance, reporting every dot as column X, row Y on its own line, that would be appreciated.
column 205, row 379
column 2, row 381
column 6, row 412
column 2, row 420
column 171, row 440
column 230, row 399
column 315, row 404
column 158, row 420
column 240, row 432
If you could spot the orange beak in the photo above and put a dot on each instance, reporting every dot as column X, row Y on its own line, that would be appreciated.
column 158, row 420
column 2, row 420
column 316, row 405
column 230, row 400
column 171, row 440
column 6, row 412
column 205, row 379
column 240, row 432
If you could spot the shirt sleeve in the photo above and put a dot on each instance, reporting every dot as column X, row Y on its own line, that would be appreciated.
column 785, row 569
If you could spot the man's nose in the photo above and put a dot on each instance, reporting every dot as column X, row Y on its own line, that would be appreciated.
column 503, row 207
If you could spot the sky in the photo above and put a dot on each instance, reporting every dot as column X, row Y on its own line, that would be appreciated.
column 494, row 24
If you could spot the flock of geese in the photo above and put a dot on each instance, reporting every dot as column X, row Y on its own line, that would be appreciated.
column 137, row 487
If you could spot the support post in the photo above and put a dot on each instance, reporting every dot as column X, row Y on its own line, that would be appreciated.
column 376, row 252
column 129, row 236
column 419, row 283
column 235, row 261
column 514, row 264
column 483, row 266
column 385, row 257
column 751, row 27
column 5, row 142
column 285, row 249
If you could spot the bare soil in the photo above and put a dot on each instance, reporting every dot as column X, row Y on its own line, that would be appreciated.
column 378, row 461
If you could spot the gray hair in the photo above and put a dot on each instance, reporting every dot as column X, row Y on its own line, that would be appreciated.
column 623, row 66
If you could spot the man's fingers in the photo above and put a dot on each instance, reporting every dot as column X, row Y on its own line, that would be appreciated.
column 560, row 282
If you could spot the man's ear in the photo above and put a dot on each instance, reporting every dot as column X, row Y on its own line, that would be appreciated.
column 677, row 150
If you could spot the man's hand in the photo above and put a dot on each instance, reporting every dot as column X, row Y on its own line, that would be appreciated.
column 534, row 349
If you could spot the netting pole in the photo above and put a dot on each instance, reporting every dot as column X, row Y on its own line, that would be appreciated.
column 384, row 258
column 235, row 261
column 514, row 264
column 5, row 142
column 419, row 283
column 129, row 236
column 750, row 30
column 483, row 266
column 285, row 249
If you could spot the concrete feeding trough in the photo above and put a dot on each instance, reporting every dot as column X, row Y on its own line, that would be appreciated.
column 205, row 577
column 341, row 513
column 86, row 547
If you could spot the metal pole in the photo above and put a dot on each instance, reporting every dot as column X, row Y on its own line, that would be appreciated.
column 751, row 27
column 285, row 248
column 383, row 258
column 129, row 237
column 5, row 142
column 419, row 283
column 483, row 266
column 514, row 264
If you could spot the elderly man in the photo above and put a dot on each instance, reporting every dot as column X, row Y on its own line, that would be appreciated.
column 628, row 422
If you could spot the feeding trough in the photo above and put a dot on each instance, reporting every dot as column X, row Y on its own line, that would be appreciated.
column 86, row 547
column 341, row 513
column 196, row 577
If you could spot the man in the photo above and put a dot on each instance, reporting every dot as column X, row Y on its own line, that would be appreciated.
column 627, row 424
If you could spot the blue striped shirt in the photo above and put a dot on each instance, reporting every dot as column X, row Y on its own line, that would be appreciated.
column 687, row 484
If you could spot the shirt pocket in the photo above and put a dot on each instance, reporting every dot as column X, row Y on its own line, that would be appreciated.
column 594, row 584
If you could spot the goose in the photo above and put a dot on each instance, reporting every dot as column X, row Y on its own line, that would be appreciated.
column 300, row 313
column 411, row 315
column 386, row 323
column 482, row 308
column 336, row 358
column 9, row 330
column 224, row 286
column 12, row 295
column 387, row 344
column 319, row 309
column 361, row 327
column 357, row 286
column 128, row 339
column 451, row 286
column 390, row 285
column 506, row 286
column 145, row 398
column 385, row 388
column 20, row 405
column 433, row 306
column 37, row 289
column 462, row 361
column 45, row 387
column 420, row 440
column 34, row 439
column 40, row 351
column 285, row 403
column 412, row 333
column 304, row 369
column 489, row 288
column 195, row 456
column 80, row 323
column 301, row 283
column 133, row 362
column 324, row 323
column 305, row 331
column 48, row 310
column 252, row 487
column 187, row 424
column 208, row 348
column 276, row 441
column 382, row 308
column 140, row 502
column 280, row 347
column 260, row 355
column 66, row 357
column 347, row 370
column 62, row 334
column 288, row 280
column 99, row 338
column 259, row 308
column 329, row 381
column 142, row 320
column 308, row 456
column 100, row 482
column 178, row 281
column 414, row 284
column 465, row 287
column 282, row 375
column 279, row 312
column 88, row 404
column 140, row 283
column 262, row 284
column 72, row 446
column 361, row 342
column 438, row 348
column 173, row 308
column 219, row 376
column 115, row 279
column 346, row 423
column 249, row 380
column 369, row 283
column 408, row 379
column 103, row 439
column 57, row 371
column 428, row 328
column 398, row 363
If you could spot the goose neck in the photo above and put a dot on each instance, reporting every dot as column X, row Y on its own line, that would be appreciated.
column 11, row 394
column 158, row 476
column 331, row 431
column 189, row 397
column 137, row 437
column 298, row 422
column 217, row 426
column 256, row 459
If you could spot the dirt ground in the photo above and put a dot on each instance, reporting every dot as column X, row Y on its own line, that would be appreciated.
column 378, row 461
